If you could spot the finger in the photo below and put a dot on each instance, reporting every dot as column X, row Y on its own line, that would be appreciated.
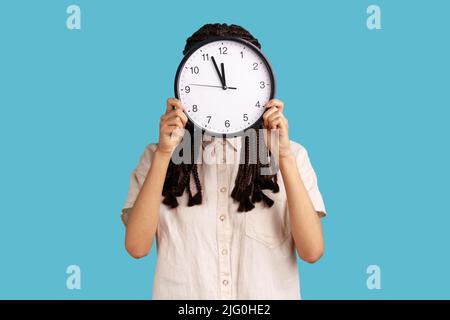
column 271, row 116
column 274, row 123
column 275, row 103
column 171, row 113
column 183, row 117
column 279, row 122
column 173, row 103
column 282, row 123
column 176, row 121
column 274, row 115
column 169, row 129
column 268, row 113
column 175, row 113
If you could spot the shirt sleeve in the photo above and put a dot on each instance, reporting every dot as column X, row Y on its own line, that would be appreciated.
column 309, row 178
column 137, row 179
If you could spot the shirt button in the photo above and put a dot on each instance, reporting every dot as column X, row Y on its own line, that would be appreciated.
column 222, row 217
column 224, row 251
column 223, row 189
column 225, row 282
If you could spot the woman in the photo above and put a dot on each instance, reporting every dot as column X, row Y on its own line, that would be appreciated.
column 236, row 236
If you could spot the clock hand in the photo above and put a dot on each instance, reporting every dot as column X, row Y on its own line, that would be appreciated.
column 222, row 67
column 218, row 72
column 207, row 85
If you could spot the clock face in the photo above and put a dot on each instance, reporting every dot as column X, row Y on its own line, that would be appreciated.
column 224, row 85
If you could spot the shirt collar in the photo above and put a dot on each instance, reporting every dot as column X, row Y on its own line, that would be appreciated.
column 233, row 142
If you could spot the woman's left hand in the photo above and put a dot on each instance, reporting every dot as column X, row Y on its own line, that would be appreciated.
column 274, row 119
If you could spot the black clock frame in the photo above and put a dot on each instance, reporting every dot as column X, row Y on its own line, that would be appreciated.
column 246, row 43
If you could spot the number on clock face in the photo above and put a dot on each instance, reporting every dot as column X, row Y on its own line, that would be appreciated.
column 224, row 85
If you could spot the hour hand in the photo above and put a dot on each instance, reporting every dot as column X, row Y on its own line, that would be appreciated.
column 218, row 72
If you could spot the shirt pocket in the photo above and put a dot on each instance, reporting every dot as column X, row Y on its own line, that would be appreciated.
column 268, row 226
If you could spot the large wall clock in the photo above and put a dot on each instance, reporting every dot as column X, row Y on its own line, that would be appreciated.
column 224, row 84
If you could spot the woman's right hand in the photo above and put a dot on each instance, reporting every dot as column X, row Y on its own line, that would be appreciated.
column 171, row 126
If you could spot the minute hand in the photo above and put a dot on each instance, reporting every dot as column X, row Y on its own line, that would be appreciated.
column 218, row 72
column 222, row 67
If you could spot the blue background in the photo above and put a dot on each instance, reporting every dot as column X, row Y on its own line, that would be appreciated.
column 78, row 107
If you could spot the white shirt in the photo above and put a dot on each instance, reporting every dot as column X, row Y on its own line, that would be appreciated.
column 212, row 251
